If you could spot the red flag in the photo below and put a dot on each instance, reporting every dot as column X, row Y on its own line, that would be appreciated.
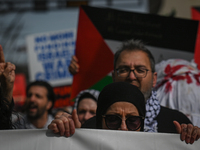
column 196, row 16
column 95, row 57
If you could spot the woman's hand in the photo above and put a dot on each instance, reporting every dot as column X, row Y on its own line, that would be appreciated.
column 188, row 132
column 65, row 123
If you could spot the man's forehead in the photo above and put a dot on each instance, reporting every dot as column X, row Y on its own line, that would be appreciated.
column 38, row 89
column 137, row 57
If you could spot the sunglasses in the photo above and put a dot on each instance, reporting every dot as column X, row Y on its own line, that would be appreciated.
column 114, row 122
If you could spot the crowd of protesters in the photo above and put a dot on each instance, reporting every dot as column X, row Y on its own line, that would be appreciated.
column 130, row 103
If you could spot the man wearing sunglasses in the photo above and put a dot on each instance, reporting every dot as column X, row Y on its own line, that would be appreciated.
column 134, row 64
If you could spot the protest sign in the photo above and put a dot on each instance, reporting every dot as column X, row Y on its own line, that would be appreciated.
column 49, row 55
column 63, row 96
column 91, row 139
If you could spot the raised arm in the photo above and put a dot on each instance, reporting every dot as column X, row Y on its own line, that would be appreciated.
column 7, row 76
column 74, row 66
column 65, row 123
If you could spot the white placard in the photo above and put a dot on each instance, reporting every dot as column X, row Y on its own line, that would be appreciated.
column 90, row 139
column 49, row 55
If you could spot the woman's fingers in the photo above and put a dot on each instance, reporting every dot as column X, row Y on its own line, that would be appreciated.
column 53, row 127
column 64, row 124
column 178, row 126
column 75, row 118
column 188, row 133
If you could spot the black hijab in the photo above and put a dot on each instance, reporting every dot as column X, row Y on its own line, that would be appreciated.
column 119, row 92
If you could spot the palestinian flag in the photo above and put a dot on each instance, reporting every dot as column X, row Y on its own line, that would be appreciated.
column 196, row 16
column 102, row 30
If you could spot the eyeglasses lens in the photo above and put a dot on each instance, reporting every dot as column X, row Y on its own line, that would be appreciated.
column 113, row 122
column 133, row 123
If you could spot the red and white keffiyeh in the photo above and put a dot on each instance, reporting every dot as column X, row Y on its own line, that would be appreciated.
column 178, row 87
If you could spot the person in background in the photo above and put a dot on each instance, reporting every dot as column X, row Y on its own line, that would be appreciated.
column 7, row 78
column 178, row 86
column 86, row 104
column 38, row 106
column 134, row 63
column 120, row 106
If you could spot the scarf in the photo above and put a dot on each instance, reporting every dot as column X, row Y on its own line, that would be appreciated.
column 152, row 111
column 92, row 92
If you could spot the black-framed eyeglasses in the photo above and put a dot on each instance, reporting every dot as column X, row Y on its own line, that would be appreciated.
column 114, row 122
column 139, row 72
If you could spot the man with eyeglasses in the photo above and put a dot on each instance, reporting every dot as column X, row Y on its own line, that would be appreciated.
column 134, row 63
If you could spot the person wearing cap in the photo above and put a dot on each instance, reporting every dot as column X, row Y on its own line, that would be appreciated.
column 86, row 104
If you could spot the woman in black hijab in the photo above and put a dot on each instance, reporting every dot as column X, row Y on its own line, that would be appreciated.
column 120, row 106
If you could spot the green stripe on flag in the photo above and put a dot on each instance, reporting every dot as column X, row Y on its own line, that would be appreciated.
column 100, row 85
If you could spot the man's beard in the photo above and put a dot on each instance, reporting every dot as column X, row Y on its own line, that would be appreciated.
column 147, row 94
column 40, row 112
column 147, row 91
